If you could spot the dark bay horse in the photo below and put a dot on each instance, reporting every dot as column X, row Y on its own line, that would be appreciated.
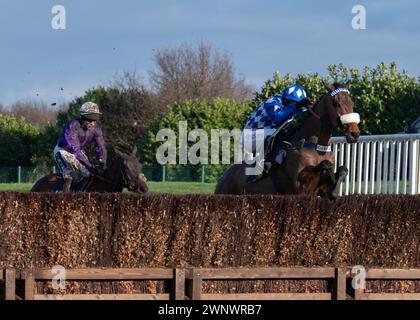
column 124, row 170
column 309, row 165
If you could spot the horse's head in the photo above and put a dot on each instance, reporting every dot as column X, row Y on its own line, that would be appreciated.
column 339, row 107
column 132, row 171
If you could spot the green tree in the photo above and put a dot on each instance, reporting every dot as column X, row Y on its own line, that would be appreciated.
column 216, row 113
column 18, row 141
column 127, row 114
column 210, row 114
column 387, row 100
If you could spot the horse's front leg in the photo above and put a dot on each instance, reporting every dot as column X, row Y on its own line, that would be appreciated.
column 340, row 175
column 317, row 180
column 332, row 187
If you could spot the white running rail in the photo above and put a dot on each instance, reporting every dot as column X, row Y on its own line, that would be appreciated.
column 380, row 164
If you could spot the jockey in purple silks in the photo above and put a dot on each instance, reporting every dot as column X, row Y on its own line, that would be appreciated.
column 77, row 134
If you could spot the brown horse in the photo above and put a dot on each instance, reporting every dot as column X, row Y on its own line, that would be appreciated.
column 309, row 164
column 124, row 171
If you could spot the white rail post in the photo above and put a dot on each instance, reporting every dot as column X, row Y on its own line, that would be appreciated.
column 341, row 156
column 398, row 173
column 392, row 168
column 418, row 167
column 348, row 165
column 360, row 166
column 335, row 149
column 385, row 168
column 378, row 188
column 353, row 168
column 413, row 179
column 405, row 166
column 372, row 168
column 367, row 168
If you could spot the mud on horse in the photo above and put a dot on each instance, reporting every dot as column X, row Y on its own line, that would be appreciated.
column 309, row 165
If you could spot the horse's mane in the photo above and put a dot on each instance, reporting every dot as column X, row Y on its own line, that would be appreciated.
column 123, row 148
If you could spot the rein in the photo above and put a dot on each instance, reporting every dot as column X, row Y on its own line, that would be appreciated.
column 316, row 146
column 344, row 119
column 312, row 112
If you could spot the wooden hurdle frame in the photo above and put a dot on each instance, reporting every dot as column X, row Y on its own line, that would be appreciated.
column 186, row 284
column 389, row 274
column 111, row 274
column 196, row 276
column 8, row 277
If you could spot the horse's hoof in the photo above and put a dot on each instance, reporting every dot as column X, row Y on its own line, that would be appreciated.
column 334, row 194
column 342, row 171
column 326, row 165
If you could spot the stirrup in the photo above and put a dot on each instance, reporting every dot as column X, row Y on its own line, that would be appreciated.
column 286, row 144
column 254, row 178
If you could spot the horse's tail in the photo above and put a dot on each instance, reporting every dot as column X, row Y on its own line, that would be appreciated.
column 220, row 184
column 227, row 184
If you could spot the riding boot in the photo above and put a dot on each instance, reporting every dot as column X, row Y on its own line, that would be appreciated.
column 265, row 171
column 269, row 166
column 67, row 184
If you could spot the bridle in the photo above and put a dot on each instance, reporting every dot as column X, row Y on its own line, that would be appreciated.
column 126, row 180
column 352, row 117
column 347, row 118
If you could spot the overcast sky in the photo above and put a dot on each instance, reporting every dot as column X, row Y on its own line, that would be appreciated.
column 105, row 37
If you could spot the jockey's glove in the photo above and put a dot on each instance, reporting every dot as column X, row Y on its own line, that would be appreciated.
column 313, row 101
column 103, row 163
column 306, row 103
column 303, row 104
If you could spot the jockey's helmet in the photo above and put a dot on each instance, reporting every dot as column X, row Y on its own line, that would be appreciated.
column 294, row 92
column 90, row 110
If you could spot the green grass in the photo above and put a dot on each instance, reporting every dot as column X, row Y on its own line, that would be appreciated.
column 15, row 186
column 181, row 187
column 154, row 187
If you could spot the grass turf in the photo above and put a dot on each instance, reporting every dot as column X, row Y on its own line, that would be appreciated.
column 154, row 187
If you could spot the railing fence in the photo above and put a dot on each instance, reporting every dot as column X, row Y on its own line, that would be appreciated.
column 187, row 284
column 380, row 164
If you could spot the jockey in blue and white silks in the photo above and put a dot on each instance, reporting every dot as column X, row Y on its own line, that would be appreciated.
column 269, row 116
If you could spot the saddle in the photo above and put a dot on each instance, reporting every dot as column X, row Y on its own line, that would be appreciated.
column 275, row 153
column 276, row 144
